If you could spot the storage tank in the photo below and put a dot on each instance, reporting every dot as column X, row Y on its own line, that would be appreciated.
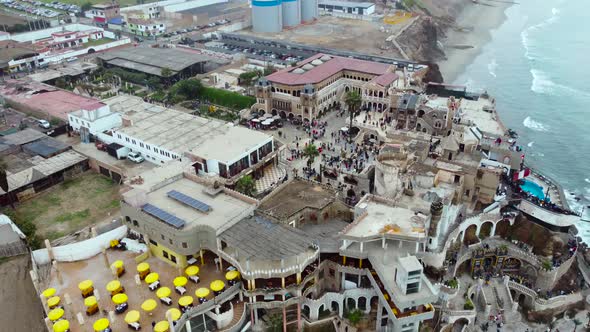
column 267, row 16
column 309, row 10
column 291, row 13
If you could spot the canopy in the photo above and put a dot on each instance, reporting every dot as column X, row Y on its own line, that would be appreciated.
column 90, row 301
column 161, row 326
column 192, row 270
column 267, row 122
column 152, row 277
column 180, row 281
column 149, row 305
column 120, row 298
column 117, row 264
column 255, row 120
column 55, row 314
column 101, row 324
column 202, row 292
column 276, row 117
column 113, row 285
column 84, row 285
column 142, row 267
column 61, row 326
column 163, row 292
column 231, row 275
column 174, row 314
column 53, row 301
column 49, row 292
column 132, row 317
column 217, row 285
column 185, row 300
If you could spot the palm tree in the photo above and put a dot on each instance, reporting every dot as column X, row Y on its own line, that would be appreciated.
column 246, row 185
column 353, row 101
column 310, row 152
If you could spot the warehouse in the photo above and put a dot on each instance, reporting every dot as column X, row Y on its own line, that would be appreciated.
column 347, row 7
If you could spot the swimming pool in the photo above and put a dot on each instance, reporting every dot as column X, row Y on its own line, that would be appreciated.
column 533, row 189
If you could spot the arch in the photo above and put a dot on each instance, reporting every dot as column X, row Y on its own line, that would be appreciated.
column 127, row 219
column 503, row 228
column 290, row 116
column 470, row 236
column 460, row 324
column 362, row 303
column 521, row 299
column 282, row 114
column 274, row 112
column 261, row 112
column 91, row 50
column 421, row 113
column 346, row 88
column 335, row 306
column 418, row 127
column 486, row 230
column 305, row 310
column 321, row 308
column 380, row 94
column 350, row 303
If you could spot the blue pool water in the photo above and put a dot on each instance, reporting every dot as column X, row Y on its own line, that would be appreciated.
column 533, row 189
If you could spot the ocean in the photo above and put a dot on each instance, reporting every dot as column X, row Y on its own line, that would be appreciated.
column 536, row 66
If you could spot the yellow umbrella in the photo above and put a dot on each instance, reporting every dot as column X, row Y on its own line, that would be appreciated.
column 163, row 292
column 180, row 281
column 149, row 305
column 231, row 275
column 55, row 314
column 120, row 298
column 174, row 314
column 152, row 277
column 49, row 292
column 85, row 284
column 202, row 292
column 185, row 301
column 217, row 285
column 101, row 324
column 61, row 326
column 192, row 270
column 53, row 301
column 90, row 301
column 161, row 326
column 142, row 267
column 132, row 317
column 118, row 264
column 113, row 285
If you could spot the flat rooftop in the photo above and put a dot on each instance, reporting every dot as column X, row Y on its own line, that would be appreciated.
column 74, row 69
column 346, row 3
column 481, row 113
column 295, row 196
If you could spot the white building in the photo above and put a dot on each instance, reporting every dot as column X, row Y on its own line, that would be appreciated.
column 145, row 28
column 95, row 120
column 347, row 7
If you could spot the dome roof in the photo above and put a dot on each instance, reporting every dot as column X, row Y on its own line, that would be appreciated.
column 307, row 66
column 298, row 71
column 316, row 62
column 326, row 58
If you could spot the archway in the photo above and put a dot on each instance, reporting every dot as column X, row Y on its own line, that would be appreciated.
column 282, row 114
column 362, row 303
column 485, row 230
column 502, row 228
column 305, row 310
column 380, row 94
column 421, row 113
column 460, row 324
column 470, row 236
column 91, row 50
column 274, row 112
column 291, row 116
column 335, row 306
column 261, row 112
column 418, row 127
column 350, row 303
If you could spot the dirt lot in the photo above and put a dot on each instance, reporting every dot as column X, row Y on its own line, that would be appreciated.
column 11, row 20
column 20, row 307
column 71, row 205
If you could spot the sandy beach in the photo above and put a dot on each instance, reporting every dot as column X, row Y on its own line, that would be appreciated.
column 472, row 31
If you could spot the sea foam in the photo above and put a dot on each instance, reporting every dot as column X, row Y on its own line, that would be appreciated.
column 534, row 125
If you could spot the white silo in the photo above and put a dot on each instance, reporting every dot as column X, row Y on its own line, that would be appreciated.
column 291, row 13
column 309, row 10
column 267, row 16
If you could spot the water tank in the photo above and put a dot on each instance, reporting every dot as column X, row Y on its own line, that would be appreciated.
column 309, row 10
column 291, row 13
column 267, row 16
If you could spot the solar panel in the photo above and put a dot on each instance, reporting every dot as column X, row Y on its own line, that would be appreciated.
column 163, row 216
column 184, row 199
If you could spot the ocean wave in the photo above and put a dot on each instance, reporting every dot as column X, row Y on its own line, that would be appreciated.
column 587, row 180
column 492, row 67
column 530, row 145
column 542, row 84
column 534, row 125
column 525, row 34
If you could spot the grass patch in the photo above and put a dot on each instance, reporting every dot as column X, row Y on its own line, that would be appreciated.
column 73, row 216
column 96, row 42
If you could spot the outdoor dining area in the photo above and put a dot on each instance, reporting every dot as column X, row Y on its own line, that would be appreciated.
column 154, row 296
column 265, row 122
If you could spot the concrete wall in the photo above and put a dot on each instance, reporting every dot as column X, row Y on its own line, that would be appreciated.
column 45, row 33
column 178, row 7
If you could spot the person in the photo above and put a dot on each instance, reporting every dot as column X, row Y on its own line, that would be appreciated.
column 153, row 324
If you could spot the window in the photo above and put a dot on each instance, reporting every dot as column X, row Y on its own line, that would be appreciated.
column 127, row 139
column 163, row 238
column 119, row 135
column 165, row 254
column 153, row 242
column 173, row 258
column 127, row 219
column 184, row 245
column 155, row 150
column 141, row 145
column 133, row 141
column 135, row 223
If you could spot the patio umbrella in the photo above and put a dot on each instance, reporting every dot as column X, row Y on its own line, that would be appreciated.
column 90, row 301
column 174, row 314
column 49, row 292
column 101, row 324
column 55, row 314
column 192, row 270
column 217, row 285
column 149, row 305
column 53, row 301
column 267, row 122
column 118, row 264
column 231, row 275
column 132, row 317
column 276, row 117
column 344, row 128
column 161, row 326
column 113, row 286
column 61, row 326
column 120, row 298
column 142, row 267
column 84, row 285
column 255, row 120
column 180, row 281
column 152, row 277
column 185, row 301
column 202, row 292
column 163, row 292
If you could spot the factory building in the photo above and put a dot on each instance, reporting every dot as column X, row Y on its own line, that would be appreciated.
column 274, row 15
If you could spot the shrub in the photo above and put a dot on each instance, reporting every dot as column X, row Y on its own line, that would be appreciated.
column 468, row 305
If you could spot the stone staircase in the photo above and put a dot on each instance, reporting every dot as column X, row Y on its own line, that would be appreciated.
column 238, row 311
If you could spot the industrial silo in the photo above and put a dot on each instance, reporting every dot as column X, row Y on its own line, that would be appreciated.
column 267, row 16
column 291, row 12
column 309, row 10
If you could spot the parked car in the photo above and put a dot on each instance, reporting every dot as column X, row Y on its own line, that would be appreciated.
column 44, row 124
column 135, row 157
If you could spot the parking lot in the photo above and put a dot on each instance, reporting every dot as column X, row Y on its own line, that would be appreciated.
column 43, row 9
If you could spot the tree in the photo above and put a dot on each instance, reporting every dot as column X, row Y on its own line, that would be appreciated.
column 86, row 6
column 355, row 316
column 154, row 83
column 353, row 102
column 166, row 72
column 246, row 185
column 310, row 152
column 61, row 83
column 275, row 323
column 189, row 89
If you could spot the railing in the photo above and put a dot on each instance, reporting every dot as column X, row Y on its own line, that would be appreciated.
column 275, row 304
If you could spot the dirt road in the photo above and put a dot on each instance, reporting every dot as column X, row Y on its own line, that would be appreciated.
column 19, row 305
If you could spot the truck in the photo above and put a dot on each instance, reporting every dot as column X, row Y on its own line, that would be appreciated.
column 118, row 151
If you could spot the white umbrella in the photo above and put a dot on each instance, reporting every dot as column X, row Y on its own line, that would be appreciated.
column 255, row 120
column 276, row 117
column 266, row 122
column 344, row 128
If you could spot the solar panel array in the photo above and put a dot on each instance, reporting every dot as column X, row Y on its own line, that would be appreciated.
column 164, row 216
column 185, row 199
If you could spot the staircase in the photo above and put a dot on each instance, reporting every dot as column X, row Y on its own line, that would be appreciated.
column 238, row 312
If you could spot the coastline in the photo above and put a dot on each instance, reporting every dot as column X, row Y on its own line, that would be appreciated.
column 472, row 31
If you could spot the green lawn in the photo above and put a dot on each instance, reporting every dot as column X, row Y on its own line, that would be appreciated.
column 96, row 42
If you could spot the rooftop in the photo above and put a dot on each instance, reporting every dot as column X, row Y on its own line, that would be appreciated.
column 295, row 196
column 347, row 3
column 10, row 50
column 324, row 66
column 73, row 69
column 385, row 79
column 481, row 112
